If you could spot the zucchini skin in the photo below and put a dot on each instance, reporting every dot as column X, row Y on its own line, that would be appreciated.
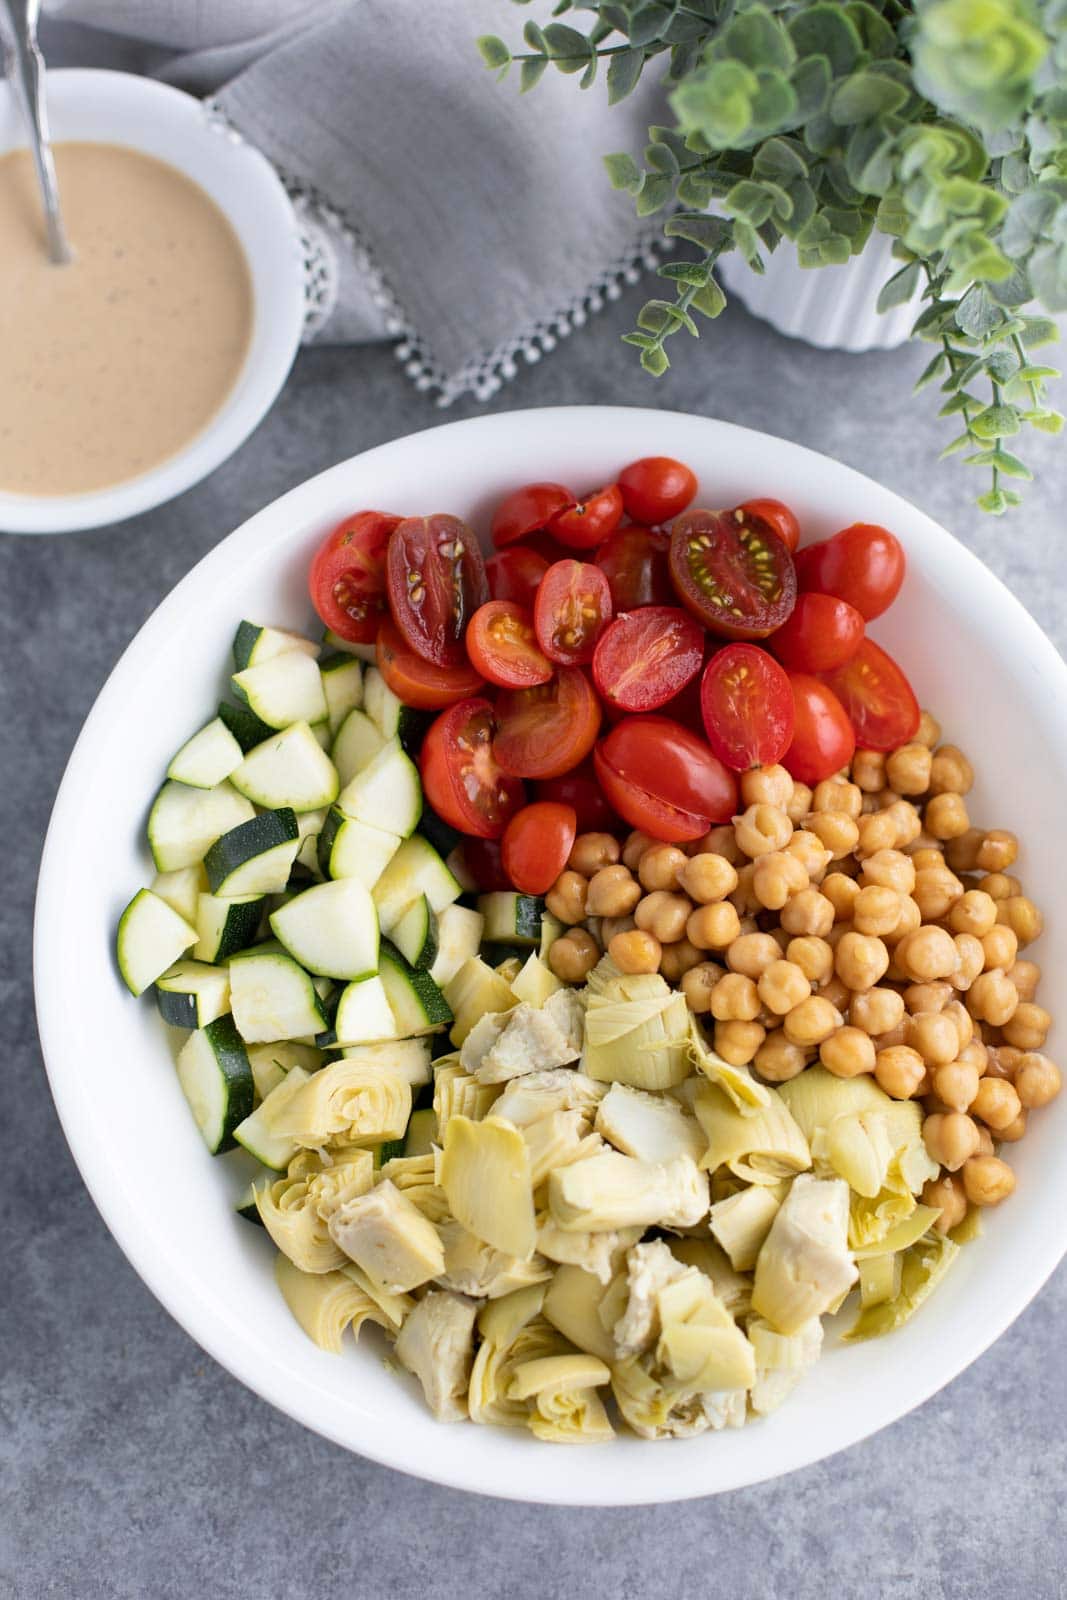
column 245, row 726
column 229, row 1051
column 249, row 839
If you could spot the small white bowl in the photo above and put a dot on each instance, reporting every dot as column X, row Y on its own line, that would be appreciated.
column 118, row 108
column 974, row 655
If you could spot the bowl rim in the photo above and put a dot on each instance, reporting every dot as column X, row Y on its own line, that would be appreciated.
column 944, row 558
column 275, row 336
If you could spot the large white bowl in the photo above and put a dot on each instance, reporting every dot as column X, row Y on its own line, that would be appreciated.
column 118, row 108
column 975, row 656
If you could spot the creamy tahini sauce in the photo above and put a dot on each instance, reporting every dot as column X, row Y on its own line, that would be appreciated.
column 115, row 362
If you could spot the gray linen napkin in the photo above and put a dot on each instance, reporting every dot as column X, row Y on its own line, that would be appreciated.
column 472, row 225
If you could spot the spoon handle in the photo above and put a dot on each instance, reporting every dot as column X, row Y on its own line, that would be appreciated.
column 27, row 75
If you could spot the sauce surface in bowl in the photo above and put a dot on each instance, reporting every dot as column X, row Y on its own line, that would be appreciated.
column 113, row 363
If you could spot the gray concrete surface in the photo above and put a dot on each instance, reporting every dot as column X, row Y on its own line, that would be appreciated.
column 130, row 1464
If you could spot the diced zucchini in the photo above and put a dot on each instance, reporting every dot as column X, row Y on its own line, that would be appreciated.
column 190, row 994
column 322, row 735
column 311, row 824
column 356, row 742
column 350, row 849
column 349, row 647
column 415, row 870
column 535, row 982
column 414, row 999
column 246, row 1206
column 283, row 690
column 272, row 997
column 225, row 926
column 271, row 1062
column 216, row 1079
column 441, row 835
column 184, row 823
column 182, row 889
column 255, row 1133
column 474, row 990
column 342, row 684
column 459, row 936
column 256, row 857
column 551, row 930
column 415, row 935
column 208, row 758
column 151, row 937
column 289, row 769
column 364, row 1015
column 393, row 717
column 253, row 644
column 245, row 726
column 331, row 929
column 512, row 918
column 421, row 1133
column 386, row 793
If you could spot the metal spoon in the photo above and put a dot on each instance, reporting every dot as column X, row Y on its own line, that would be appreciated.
column 25, row 68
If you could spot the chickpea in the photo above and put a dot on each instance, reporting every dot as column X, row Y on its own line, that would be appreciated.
column 961, row 1020
column 612, row 892
column 807, row 848
column 751, row 925
column 1002, row 1061
column 573, row 955
column 1000, row 946
column 665, row 915
column 838, row 993
column 678, row 958
column 835, row 831
column 889, row 869
column 1014, row 1131
column 876, row 1010
column 907, row 821
column 799, row 806
column 974, row 912
column 743, row 898
column 934, row 1036
column 928, row 857
column 842, row 893
column 936, row 892
column 970, row 959
column 767, row 786
column 734, row 999
column 715, row 927
column 762, row 828
column 999, row 885
column 848, row 1053
column 877, row 831
column 566, row 899
column 782, row 986
column 813, row 956
column 778, row 1059
column 975, row 1055
column 610, row 926
column 776, row 877
column 635, row 951
column 1025, row 975
column 997, row 1103
column 987, row 1180
column 876, row 910
column 812, row 1021
column 591, row 851
column 999, row 849
column 928, row 731
column 1037, row 1081
column 698, row 985
column 947, row 1195
column 751, row 954
column 951, row 1138
column 927, row 996
column 1027, row 1028
column 707, row 877
column 926, row 954
column 860, row 960
column 1022, row 917
column 993, row 998
column 955, row 1084
column 868, row 770
column 908, row 768
column 946, row 817
column 899, row 1070
column 986, row 1147
column 737, row 1042
column 779, row 935
column 891, row 1037
column 950, row 771
column 832, row 795
column 634, row 848
column 660, row 865
column 961, row 852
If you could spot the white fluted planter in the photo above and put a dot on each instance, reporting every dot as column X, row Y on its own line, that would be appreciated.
column 832, row 307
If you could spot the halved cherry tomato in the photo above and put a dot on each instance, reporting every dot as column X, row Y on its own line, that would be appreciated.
column 778, row 516
column 436, row 580
column 515, row 573
column 732, row 572
column 460, row 774
column 878, row 698
column 587, row 524
column 347, row 576
column 823, row 738
column 483, row 861
column 580, row 789
column 635, row 563
column 821, row 633
column 503, row 647
column 527, row 509
column 572, row 608
column 748, row 707
column 417, row 682
column 863, row 564
column 663, row 779
column 656, row 488
column 536, row 844
column 544, row 732
column 645, row 658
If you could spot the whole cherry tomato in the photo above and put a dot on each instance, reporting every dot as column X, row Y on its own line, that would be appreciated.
column 536, row 844
column 485, row 865
column 635, row 562
column 502, row 646
column 748, row 707
column 436, row 580
column 732, row 572
column 656, row 488
column 528, row 509
column 463, row 781
column 878, row 698
column 418, row 682
column 514, row 573
column 823, row 737
column 347, row 576
column 587, row 524
column 777, row 516
column 572, row 608
column 663, row 779
column 821, row 632
column 863, row 564
column 581, row 789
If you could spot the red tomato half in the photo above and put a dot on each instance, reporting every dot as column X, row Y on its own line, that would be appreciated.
column 823, row 737
column 878, row 698
column 515, row 573
column 635, row 563
column 645, row 658
column 863, row 564
column 536, row 844
column 503, row 647
column 573, row 605
column 587, row 524
column 417, row 682
column 544, row 732
column 581, row 790
column 461, row 777
column 663, row 779
column 436, row 580
column 656, row 488
column 748, row 707
column 347, row 575
column 527, row 509
column 777, row 516
column 821, row 633
column 732, row 572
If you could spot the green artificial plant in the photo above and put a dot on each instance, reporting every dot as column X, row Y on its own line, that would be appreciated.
column 941, row 122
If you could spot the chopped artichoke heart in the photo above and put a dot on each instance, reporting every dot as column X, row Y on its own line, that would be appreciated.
column 475, row 1268
column 416, row 1178
column 538, row 1094
column 856, row 1147
column 880, row 1279
column 650, row 1127
column 743, row 1089
column 436, row 1343
column 656, row 1409
column 741, row 1222
column 970, row 1228
column 326, row 1303
column 640, row 1042
column 485, row 1174
column 733, row 1288
column 389, row 1238
column 578, row 1371
column 394, row 1307
column 291, row 1210
column 597, row 1253
column 785, row 1352
column 554, row 1141
column 921, row 1269
column 901, row 1235
column 703, row 1358
column 871, row 1221
column 650, row 1269
column 762, row 1146
column 535, row 982
column 572, row 1303
column 512, row 1331
column 815, row 1097
column 615, row 1191
column 530, row 1040
column 804, row 1266
column 570, row 1416
column 457, row 1094
column 348, row 1102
